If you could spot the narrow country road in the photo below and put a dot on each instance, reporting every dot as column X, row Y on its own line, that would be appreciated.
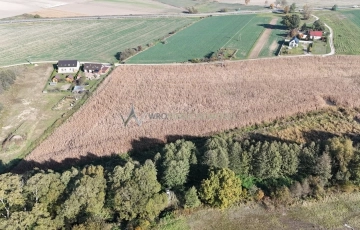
column 331, row 37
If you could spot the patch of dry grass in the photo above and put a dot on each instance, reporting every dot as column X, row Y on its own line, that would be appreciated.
column 251, row 91
column 330, row 213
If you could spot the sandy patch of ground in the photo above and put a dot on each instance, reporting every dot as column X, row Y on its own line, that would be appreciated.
column 10, row 9
column 54, row 13
column 198, row 100
column 262, row 40
column 119, row 8
column 26, row 110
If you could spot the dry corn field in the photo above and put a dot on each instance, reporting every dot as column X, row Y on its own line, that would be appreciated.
column 249, row 91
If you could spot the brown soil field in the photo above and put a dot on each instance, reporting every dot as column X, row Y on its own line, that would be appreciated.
column 243, row 93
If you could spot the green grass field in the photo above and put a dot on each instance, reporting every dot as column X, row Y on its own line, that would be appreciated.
column 346, row 26
column 91, row 40
column 206, row 36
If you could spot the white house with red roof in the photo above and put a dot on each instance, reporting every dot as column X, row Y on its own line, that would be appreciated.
column 316, row 35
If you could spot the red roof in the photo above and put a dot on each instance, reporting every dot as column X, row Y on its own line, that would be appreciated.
column 316, row 33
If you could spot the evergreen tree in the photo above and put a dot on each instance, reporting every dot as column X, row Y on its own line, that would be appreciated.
column 176, row 162
column 290, row 159
column 191, row 198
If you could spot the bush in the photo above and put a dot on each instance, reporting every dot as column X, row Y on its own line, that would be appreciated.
column 224, row 10
column 7, row 78
column 192, row 10
column 37, row 16
column 126, row 54
column 334, row 8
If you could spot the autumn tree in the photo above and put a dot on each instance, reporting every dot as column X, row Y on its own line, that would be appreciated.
column 323, row 167
column 286, row 9
column 11, row 196
column 342, row 151
column 221, row 189
column 88, row 197
column 307, row 11
column 291, row 21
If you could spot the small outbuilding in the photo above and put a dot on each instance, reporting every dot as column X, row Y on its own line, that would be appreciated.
column 69, row 78
column 78, row 89
column 56, row 79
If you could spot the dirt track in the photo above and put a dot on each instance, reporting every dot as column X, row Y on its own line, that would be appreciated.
column 262, row 41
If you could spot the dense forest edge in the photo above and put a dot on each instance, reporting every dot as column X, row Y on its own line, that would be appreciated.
column 256, row 164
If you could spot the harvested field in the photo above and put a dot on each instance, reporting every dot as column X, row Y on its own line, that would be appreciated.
column 244, row 93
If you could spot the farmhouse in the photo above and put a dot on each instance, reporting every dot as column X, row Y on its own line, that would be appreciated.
column 294, row 42
column 315, row 34
column 92, row 67
column 68, row 66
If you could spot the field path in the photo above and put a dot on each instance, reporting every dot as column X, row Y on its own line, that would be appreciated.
column 262, row 40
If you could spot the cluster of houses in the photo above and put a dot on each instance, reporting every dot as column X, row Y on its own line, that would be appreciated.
column 71, row 68
column 310, row 35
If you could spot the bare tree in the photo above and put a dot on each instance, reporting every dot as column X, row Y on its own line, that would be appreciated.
column 247, row 2
column 286, row 9
column 307, row 11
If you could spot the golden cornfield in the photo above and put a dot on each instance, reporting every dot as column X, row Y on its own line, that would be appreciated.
column 245, row 92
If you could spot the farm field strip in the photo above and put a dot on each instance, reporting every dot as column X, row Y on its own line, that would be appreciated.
column 204, row 37
column 83, row 40
column 346, row 27
column 278, row 32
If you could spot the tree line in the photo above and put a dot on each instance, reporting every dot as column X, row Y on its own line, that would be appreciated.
column 223, row 170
